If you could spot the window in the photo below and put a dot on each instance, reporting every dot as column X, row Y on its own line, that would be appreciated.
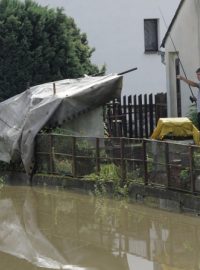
column 151, row 35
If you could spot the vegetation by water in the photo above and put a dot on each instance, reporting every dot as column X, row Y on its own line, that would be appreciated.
column 103, row 178
column 192, row 114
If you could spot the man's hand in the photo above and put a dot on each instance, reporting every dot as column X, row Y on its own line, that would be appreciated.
column 179, row 77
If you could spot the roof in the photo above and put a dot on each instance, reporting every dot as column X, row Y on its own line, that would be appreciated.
column 171, row 24
column 23, row 116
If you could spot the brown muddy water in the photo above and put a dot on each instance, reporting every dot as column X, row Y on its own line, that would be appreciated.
column 42, row 228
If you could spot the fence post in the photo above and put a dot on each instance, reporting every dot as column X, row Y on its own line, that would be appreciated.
column 145, row 162
column 145, row 116
column 123, row 169
column 160, row 105
column 135, row 117
column 151, row 113
column 51, row 154
column 97, row 156
column 130, row 119
column 119, row 117
column 140, row 116
column 167, row 163
column 191, row 169
column 124, row 120
column 74, row 156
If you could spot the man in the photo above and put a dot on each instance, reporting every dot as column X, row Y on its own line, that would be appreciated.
column 197, row 85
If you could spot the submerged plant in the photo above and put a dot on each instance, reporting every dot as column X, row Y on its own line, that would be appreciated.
column 100, row 188
column 109, row 173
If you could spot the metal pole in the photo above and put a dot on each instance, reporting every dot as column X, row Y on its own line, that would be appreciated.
column 127, row 71
column 191, row 169
column 97, row 156
column 123, row 171
column 145, row 162
column 167, row 163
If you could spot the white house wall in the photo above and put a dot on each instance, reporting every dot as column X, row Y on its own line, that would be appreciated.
column 88, row 124
column 115, row 28
column 185, row 35
column 171, row 96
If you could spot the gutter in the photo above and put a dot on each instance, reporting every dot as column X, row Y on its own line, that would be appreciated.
column 171, row 24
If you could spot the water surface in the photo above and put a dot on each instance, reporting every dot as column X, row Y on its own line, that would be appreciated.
column 42, row 228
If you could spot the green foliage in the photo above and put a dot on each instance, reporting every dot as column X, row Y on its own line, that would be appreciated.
column 37, row 45
column 109, row 172
column 192, row 115
column 100, row 188
column 83, row 148
column 63, row 166
column 185, row 177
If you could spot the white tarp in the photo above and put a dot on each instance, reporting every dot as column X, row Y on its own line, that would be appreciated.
column 21, row 237
column 24, row 115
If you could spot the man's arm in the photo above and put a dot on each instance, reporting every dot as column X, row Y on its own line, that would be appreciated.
column 189, row 82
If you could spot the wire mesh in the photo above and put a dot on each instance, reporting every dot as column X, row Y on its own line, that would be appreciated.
column 85, row 166
column 62, row 144
column 42, row 165
column 172, row 165
column 196, row 168
column 133, row 155
column 179, row 161
column 156, row 163
column 85, row 160
column 62, row 165
column 85, row 147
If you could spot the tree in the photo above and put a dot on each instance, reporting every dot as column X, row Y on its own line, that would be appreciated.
column 38, row 45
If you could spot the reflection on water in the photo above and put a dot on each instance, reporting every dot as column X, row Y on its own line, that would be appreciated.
column 45, row 228
column 23, row 239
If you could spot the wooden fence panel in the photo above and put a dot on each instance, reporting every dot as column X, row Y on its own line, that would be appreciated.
column 135, row 116
column 124, row 116
column 151, row 113
column 130, row 117
column 146, row 117
column 141, row 124
column 160, row 105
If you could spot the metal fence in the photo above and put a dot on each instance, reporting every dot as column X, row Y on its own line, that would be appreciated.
column 147, row 162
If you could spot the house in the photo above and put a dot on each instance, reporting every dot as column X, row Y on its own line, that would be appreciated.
column 125, row 33
column 182, row 55
column 74, row 104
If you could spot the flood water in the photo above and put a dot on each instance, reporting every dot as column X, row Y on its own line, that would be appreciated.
column 44, row 228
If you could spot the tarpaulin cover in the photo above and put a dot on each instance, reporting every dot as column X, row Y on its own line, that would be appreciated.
column 177, row 127
column 24, row 115
column 21, row 237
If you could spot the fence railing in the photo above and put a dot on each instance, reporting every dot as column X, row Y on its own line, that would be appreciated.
column 147, row 162
column 135, row 116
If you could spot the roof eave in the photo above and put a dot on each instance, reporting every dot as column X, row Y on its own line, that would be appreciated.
column 171, row 24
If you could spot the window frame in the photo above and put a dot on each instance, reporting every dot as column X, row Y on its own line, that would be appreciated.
column 154, row 34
